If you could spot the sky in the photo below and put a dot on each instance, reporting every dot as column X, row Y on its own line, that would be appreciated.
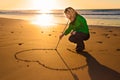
column 58, row 4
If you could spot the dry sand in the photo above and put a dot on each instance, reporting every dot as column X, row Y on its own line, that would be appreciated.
column 22, row 57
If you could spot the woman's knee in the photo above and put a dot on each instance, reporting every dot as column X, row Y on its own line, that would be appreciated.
column 72, row 39
column 87, row 37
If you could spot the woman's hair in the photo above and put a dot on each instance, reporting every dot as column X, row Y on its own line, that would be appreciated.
column 72, row 12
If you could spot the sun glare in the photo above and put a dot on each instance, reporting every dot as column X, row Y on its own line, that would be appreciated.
column 44, row 20
column 44, row 7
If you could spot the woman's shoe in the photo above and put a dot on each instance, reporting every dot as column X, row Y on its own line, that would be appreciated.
column 79, row 49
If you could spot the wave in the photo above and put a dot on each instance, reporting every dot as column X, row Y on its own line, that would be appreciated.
column 60, row 12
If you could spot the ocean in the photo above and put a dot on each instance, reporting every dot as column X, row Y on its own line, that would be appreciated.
column 105, row 17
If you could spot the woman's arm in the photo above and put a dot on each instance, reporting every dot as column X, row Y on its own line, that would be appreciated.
column 67, row 31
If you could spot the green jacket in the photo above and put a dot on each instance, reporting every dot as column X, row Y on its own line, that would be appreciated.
column 78, row 25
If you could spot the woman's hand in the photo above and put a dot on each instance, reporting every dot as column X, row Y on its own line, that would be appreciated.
column 60, row 37
column 73, row 33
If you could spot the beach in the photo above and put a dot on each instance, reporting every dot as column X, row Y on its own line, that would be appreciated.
column 28, row 52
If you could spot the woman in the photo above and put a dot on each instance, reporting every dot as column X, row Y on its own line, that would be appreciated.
column 78, row 28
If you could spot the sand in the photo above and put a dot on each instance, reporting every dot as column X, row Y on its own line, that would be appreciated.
column 28, row 52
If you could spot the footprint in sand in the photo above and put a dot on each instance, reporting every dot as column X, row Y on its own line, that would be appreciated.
column 106, row 35
column 110, row 31
column 115, row 35
column 12, row 32
column 49, row 35
column 27, row 65
column 20, row 43
column 53, row 31
column 42, row 32
column 93, row 32
column 118, row 49
column 99, row 42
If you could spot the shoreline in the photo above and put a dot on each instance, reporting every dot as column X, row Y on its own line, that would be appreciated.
column 62, row 24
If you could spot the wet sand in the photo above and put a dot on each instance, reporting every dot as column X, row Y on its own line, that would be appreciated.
column 29, row 52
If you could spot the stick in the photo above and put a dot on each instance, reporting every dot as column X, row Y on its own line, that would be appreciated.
column 62, row 32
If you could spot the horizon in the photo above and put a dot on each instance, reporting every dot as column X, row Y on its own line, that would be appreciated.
column 59, row 9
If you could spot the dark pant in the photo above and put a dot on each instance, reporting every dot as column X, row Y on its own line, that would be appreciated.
column 79, row 39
